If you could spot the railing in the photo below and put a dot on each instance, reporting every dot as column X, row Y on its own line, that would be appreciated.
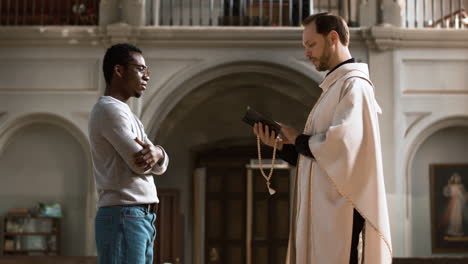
column 279, row 13
column 436, row 14
column 49, row 12
column 250, row 12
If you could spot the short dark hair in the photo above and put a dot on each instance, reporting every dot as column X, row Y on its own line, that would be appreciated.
column 117, row 54
column 326, row 22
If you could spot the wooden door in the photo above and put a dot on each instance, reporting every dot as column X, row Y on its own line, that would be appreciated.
column 228, row 236
column 168, row 246
column 225, row 215
column 270, row 218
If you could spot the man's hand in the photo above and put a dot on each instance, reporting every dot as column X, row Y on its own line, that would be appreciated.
column 290, row 134
column 266, row 137
column 148, row 156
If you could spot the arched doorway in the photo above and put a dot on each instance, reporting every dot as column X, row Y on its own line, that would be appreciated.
column 209, row 117
column 444, row 142
column 45, row 158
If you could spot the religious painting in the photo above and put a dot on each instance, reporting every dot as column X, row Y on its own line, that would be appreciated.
column 449, row 207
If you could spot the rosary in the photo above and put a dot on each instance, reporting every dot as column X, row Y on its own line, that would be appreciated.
column 267, row 178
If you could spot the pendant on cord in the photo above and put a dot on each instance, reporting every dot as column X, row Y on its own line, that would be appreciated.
column 267, row 177
column 270, row 190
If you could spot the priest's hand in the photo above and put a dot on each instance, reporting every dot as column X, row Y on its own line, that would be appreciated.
column 290, row 134
column 263, row 132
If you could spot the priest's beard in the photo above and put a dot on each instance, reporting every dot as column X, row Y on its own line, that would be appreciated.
column 325, row 58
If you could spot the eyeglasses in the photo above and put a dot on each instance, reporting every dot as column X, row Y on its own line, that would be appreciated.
column 141, row 68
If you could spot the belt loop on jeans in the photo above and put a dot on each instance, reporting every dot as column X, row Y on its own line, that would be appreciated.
column 154, row 207
column 151, row 208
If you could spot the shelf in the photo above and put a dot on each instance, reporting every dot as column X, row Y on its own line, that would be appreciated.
column 30, row 233
column 32, row 240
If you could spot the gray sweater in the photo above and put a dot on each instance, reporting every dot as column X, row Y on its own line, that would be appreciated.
column 112, row 132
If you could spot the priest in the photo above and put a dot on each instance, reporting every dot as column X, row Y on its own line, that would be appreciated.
column 339, row 190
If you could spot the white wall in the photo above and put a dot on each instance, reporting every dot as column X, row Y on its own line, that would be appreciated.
column 429, row 94
column 53, row 88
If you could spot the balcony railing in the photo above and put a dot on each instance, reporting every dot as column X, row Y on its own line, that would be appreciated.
column 274, row 13
column 49, row 12
column 436, row 14
column 250, row 12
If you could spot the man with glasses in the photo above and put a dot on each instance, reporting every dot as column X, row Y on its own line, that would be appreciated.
column 124, row 162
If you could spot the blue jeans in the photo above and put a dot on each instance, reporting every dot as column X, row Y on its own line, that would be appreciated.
column 125, row 234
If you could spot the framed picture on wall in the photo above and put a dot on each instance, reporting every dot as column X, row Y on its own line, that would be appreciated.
column 449, row 207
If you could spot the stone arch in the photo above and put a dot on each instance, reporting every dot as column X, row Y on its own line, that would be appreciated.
column 12, row 126
column 419, row 136
column 172, row 92
column 424, row 132
column 178, row 113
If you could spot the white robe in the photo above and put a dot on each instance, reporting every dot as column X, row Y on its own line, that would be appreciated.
column 346, row 173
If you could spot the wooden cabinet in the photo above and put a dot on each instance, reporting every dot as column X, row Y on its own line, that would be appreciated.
column 32, row 236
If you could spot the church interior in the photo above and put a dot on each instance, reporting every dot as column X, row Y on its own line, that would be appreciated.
column 210, row 60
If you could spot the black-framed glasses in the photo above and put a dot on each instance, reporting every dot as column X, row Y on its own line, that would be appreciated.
column 141, row 68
